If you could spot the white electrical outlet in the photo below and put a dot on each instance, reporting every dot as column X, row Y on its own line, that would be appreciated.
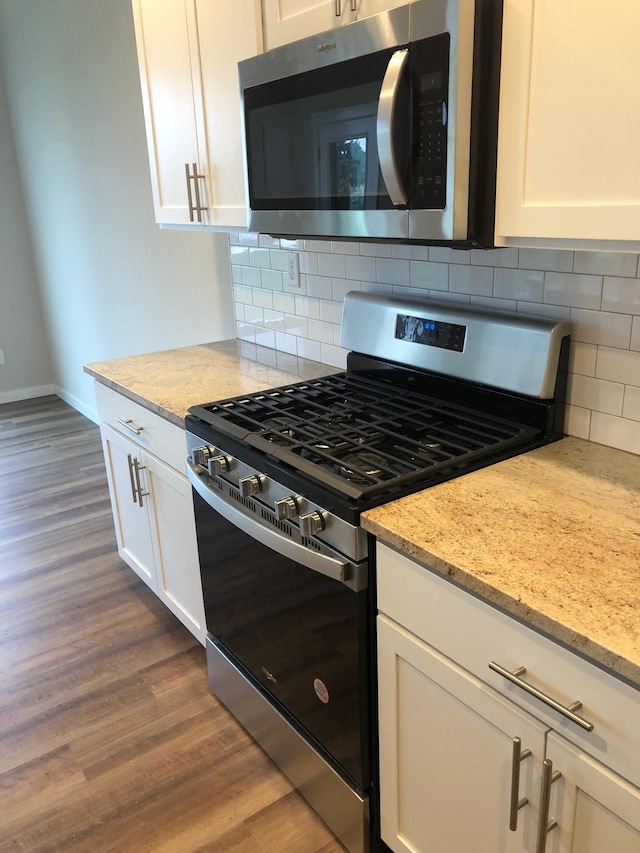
column 293, row 270
column 2, row 361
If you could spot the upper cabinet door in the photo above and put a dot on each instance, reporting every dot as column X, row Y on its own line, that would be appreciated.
column 188, row 54
column 289, row 20
column 568, row 164
column 226, row 34
column 162, row 38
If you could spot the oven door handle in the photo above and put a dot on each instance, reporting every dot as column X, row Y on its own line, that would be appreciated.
column 350, row 574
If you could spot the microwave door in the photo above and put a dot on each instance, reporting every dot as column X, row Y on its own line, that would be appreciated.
column 312, row 154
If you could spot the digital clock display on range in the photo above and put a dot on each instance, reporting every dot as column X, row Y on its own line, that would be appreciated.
column 430, row 333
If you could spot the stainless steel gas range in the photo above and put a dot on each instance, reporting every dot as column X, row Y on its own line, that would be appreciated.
column 280, row 479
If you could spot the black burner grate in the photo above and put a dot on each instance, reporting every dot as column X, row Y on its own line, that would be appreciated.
column 359, row 436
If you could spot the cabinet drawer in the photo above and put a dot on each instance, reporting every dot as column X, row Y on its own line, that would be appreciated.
column 472, row 633
column 151, row 432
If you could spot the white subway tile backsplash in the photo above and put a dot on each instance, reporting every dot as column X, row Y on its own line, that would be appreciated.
column 583, row 359
column 596, row 394
column 273, row 279
column 631, row 407
column 392, row 271
column 577, row 421
column 334, row 355
column 285, row 302
column 331, row 311
column 618, row 365
column 527, row 285
column 262, row 297
column 294, row 324
column 621, row 294
column 442, row 255
column 274, row 320
column 598, row 292
column 359, row 268
column 308, row 263
column 576, row 291
column 286, row 343
column 598, row 327
column 494, row 257
column 606, row 263
column 321, row 331
column 309, row 349
column 476, row 281
column 308, row 306
column 545, row 259
column 251, row 276
column 429, row 275
column 259, row 258
column 615, row 432
column 332, row 265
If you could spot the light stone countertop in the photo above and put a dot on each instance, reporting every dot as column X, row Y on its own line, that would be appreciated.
column 170, row 381
column 551, row 536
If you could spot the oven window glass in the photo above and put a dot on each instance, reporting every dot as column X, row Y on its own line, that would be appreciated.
column 311, row 139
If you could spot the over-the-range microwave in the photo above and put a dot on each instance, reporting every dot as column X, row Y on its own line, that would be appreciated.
column 382, row 129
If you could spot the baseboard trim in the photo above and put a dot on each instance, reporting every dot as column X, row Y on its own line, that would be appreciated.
column 26, row 393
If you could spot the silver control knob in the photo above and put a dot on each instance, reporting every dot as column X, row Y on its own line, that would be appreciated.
column 219, row 465
column 201, row 455
column 286, row 508
column 312, row 523
column 251, row 485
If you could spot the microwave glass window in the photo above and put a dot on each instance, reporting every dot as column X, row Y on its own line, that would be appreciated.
column 312, row 143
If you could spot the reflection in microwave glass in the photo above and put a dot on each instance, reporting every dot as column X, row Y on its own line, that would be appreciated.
column 349, row 170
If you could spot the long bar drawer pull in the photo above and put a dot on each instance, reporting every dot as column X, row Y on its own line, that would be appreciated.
column 544, row 824
column 129, row 425
column 516, row 802
column 568, row 711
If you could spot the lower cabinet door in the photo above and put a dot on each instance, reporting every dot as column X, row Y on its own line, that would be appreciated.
column 447, row 755
column 131, row 520
column 174, row 534
column 596, row 810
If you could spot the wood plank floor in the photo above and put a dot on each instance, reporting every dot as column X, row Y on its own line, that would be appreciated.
column 109, row 738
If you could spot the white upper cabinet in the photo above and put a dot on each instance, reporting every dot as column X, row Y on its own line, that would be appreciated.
column 569, row 130
column 188, row 52
column 289, row 20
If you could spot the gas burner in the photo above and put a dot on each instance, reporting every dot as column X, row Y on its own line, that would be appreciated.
column 280, row 430
column 363, row 466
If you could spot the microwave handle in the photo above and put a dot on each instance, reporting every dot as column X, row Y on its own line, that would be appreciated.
column 384, row 126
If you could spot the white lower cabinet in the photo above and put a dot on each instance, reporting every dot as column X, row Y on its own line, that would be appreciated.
column 464, row 754
column 596, row 810
column 152, row 505
column 446, row 755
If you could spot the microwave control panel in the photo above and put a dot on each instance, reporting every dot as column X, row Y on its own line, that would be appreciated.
column 430, row 85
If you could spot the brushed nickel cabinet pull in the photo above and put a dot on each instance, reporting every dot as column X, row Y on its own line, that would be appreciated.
column 354, row 5
column 338, row 8
column 567, row 711
column 129, row 425
column 137, row 467
column 134, row 493
column 189, row 195
column 198, row 206
column 544, row 824
column 517, row 756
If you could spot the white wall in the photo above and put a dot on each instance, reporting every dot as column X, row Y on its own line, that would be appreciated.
column 112, row 283
column 598, row 292
column 22, row 330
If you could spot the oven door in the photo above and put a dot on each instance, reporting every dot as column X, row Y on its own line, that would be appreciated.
column 295, row 631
